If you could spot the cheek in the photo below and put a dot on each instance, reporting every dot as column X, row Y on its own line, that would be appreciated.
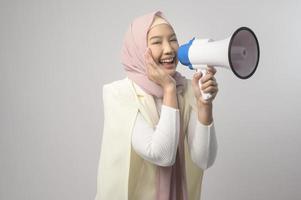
column 175, row 47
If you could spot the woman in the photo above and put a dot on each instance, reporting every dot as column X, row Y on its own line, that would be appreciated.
column 159, row 134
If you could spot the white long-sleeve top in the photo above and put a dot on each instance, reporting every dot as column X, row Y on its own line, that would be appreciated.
column 159, row 145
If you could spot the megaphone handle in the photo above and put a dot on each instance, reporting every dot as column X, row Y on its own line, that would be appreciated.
column 205, row 96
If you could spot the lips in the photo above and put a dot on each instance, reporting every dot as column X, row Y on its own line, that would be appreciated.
column 167, row 60
column 168, row 63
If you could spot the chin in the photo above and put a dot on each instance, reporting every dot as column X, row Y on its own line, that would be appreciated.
column 171, row 72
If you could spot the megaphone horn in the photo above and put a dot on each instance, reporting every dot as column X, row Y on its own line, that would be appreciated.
column 239, row 52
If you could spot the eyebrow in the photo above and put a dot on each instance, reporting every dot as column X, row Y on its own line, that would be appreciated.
column 159, row 37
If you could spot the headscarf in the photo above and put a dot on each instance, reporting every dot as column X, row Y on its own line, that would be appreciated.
column 133, row 49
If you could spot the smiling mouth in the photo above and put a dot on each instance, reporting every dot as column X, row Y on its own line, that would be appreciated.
column 168, row 63
column 167, row 60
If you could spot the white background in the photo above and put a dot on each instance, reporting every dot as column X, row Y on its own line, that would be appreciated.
column 56, row 55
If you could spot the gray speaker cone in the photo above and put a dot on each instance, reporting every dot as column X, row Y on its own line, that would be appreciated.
column 244, row 63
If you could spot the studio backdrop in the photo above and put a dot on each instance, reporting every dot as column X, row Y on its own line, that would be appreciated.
column 55, row 56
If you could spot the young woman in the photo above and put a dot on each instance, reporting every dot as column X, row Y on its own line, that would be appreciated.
column 159, row 133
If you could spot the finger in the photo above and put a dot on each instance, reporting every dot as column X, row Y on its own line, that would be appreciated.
column 208, row 77
column 149, row 64
column 208, row 84
column 151, row 58
column 196, row 77
column 211, row 69
column 210, row 89
column 147, row 52
column 148, row 57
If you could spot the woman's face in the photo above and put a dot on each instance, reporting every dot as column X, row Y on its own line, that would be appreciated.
column 162, row 41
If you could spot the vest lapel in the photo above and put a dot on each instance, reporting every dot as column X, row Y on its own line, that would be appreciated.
column 146, row 105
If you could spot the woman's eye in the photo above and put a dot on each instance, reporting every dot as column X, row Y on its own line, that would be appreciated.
column 174, row 40
column 156, row 43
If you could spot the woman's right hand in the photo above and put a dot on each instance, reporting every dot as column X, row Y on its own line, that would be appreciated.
column 156, row 73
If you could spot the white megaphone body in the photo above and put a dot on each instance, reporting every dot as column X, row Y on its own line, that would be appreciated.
column 239, row 52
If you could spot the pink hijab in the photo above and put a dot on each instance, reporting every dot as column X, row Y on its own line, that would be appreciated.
column 171, row 181
column 132, row 55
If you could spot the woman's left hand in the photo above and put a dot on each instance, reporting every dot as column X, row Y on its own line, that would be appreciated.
column 209, row 85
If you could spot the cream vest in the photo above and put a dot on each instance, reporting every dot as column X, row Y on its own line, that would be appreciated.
column 123, row 174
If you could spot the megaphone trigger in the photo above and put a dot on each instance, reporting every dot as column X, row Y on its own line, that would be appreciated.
column 205, row 96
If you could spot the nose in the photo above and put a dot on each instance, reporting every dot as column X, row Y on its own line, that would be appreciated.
column 167, row 48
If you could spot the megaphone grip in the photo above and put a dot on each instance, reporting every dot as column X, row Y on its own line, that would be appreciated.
column 205, row 96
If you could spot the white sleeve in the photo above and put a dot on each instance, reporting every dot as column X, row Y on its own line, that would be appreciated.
column 158, row 145
column 202, row 142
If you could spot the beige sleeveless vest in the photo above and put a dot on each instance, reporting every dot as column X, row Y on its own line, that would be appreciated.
column 123, row 174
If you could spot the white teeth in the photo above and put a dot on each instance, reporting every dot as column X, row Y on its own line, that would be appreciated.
column 167, row 60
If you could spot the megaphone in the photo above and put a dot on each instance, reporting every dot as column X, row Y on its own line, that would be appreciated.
column 239, row 52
